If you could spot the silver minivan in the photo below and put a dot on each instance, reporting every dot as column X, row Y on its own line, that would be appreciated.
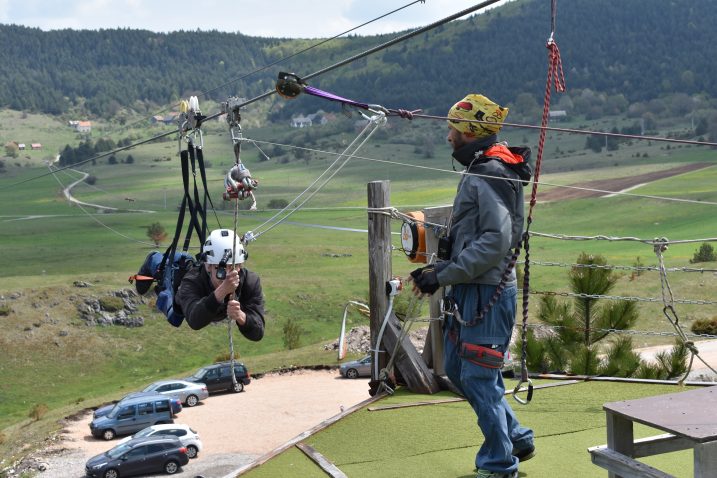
column 132, row 415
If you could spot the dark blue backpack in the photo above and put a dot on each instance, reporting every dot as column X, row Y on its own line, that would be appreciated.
column 168, row 277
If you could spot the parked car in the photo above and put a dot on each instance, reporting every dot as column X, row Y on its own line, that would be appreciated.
column 189, row 393
column 357, row 368
column 186, row 435
column 218, row 377
column 175, row 403
column 138, row 457
column 362, row 367
column 131, row 415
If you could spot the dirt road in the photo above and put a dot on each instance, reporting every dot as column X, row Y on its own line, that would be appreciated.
column 234, row 428
column 615, row 184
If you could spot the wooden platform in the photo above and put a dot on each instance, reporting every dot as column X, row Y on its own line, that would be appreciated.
column 690, row 418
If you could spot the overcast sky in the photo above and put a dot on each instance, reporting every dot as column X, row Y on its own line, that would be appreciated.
column 267, row 18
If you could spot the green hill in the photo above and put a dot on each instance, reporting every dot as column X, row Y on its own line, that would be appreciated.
column 641, row 49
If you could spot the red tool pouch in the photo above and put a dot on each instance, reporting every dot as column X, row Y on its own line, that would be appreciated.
column 483, row 356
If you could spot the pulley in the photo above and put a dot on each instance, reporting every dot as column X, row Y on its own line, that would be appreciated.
column 413, row 238
column 289, row 85
column 238, row 183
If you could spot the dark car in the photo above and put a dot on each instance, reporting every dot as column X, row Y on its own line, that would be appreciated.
column 131, row 415
column 218, row 377
column 139, row 456
column 175, row 403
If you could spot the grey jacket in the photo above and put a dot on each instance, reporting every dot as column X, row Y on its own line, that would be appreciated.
column 487, row 220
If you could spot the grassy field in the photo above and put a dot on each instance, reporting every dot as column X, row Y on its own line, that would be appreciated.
column 50, row 357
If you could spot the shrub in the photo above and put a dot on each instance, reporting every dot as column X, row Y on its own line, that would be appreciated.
column 111, row 303
column 705, row 326
column 156, row 232
column 277, row 204
column 705, row 253
column 225, row 357
column 38, row 411
column 292, row 334
column 91, row 179
column 5, row 310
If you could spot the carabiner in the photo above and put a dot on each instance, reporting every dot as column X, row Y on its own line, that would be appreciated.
column 518, row 389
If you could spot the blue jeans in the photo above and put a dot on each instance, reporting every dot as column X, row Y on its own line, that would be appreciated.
column 483, row 387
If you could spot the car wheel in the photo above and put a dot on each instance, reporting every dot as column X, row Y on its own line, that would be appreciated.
column 192, row 400
column 108, row 434
column 239, row 387
column 171, row 467
column 352, row 373
column 192, row 451
column 111, row 473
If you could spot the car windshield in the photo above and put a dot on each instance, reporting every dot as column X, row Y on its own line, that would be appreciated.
column 149, row 388
column 143, row 433
column 113, row 413
column 118, row 451
column 200, row 373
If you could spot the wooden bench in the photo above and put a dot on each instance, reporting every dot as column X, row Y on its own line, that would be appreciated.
column 690, row 418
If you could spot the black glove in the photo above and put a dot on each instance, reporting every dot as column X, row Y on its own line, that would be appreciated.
column 426, row 279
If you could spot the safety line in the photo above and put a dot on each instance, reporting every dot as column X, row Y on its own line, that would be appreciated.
column 646, row 333
column 651, row 242
column 577, row 131
column 617, row 297
column 459, row 173
column 372, row 126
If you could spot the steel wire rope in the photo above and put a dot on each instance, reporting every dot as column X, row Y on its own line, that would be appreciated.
column 375, row 122
column 449, row 171
column 276, row 62
column 339, row 64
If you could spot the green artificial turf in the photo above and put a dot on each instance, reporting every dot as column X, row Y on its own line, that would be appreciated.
column 441, row 440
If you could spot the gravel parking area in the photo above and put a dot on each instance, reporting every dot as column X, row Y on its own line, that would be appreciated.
column 234, row 428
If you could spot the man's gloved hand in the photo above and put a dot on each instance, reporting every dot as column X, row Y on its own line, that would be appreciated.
column 426, row 279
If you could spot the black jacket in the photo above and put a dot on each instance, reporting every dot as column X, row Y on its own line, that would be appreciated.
column 200, row 307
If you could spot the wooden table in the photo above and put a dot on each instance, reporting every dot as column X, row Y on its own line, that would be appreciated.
column 690, row 418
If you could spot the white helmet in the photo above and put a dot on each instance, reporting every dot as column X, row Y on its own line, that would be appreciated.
column 221, row 242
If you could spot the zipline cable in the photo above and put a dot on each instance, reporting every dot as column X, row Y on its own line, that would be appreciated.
column 271, row 92
column 282, row 59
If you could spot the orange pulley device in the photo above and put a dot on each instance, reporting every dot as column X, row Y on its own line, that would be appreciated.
column 413, row 238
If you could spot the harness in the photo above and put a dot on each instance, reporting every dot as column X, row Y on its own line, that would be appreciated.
column 484, row 355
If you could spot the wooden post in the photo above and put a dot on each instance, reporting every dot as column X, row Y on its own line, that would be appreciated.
column 435, row 215
column 379, row 266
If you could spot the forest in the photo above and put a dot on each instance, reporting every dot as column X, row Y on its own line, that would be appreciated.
column 622, row 52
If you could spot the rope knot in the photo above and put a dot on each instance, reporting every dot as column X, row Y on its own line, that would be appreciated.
column 407, row 114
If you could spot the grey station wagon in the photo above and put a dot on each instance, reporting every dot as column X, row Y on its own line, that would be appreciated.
column 132, row 415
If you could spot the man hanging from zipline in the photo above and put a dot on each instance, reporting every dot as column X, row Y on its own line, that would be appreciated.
column 219, row 287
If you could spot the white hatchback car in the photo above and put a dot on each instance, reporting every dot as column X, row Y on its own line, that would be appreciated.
column 188, row 437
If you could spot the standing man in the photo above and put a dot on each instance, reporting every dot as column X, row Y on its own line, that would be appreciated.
column 486, row 222
column 219, row 287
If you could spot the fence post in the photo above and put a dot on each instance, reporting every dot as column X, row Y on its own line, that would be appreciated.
column 435, row 215
column 379, row 265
